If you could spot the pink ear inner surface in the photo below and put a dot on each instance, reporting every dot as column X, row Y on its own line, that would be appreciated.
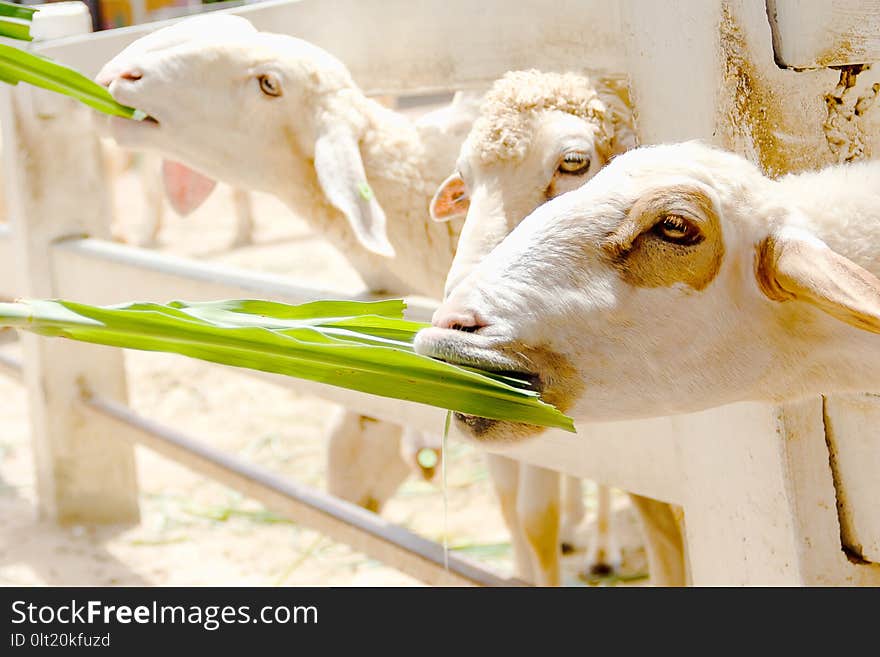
column 451, row 200
column 186, row 189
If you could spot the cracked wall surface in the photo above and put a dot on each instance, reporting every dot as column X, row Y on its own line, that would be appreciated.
column 848, row 106
column 785, row 120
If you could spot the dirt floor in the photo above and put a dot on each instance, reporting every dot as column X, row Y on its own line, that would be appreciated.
column 196, row 532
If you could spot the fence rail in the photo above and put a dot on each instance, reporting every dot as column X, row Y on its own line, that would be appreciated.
column 415, row 46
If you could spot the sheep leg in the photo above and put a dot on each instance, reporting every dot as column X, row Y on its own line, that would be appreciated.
column 244, row 218
column 537, row 505
column 573, row 512
column 663, row 541
column 154, row 200
column 605, row 556
column 504, row 473
column 364, row 465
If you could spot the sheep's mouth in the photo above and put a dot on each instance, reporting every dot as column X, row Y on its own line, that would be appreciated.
column 149, row 118
column 499, row 359
column 478, row 351
column 483, row 429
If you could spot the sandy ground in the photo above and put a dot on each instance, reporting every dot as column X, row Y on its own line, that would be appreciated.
column 196, row 532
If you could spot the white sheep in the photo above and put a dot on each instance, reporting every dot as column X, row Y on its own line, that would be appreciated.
column 294, row 124
column 538, row 136
column 275, row 113
column 680, row 278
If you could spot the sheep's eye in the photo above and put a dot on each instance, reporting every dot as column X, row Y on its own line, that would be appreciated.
column 574, row 163
column 269, row 85
column 675, row 228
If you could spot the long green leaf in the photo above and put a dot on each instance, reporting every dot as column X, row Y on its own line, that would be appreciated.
column 369, row 348
column 17, row 65
column 13, row 29
column 13, row 10
column 312, row 310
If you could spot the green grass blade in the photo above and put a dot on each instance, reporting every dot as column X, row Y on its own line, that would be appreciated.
column 306, row 346
column 12, row 29
column 22, row 66
column 8, row 78
column 13, row 10
column 392, row 308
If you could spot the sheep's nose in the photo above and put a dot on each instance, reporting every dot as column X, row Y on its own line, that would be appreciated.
column 449, row 316
column 132, row 74
column 106, row 77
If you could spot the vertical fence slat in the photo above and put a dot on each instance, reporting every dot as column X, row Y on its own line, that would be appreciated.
column 55, row 188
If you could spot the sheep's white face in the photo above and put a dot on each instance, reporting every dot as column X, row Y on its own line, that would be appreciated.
column 639, row 295
column 258, row 110
column 218, row 94
column 496, row 196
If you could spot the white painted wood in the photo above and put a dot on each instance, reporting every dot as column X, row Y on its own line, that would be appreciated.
column 678, row 105
column 759, row 506
column 828, row 33
column 113, row 273
column 853, row 434
column 55, row 189
column 8, row 273
column 725, row 88
column 60, row 19
column 416, row 45
column 12, row 368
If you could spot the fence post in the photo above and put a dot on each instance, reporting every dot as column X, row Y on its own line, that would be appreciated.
column 54, row 178
column 762, row 508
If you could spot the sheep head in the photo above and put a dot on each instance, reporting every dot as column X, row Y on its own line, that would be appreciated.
column 679, row 278
column 539, row 135
column 257, row 110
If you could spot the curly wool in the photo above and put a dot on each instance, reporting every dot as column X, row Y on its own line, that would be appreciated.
column 503, row 130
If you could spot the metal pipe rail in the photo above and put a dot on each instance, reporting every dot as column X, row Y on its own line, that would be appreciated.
column 335, row 518
column 341, row 521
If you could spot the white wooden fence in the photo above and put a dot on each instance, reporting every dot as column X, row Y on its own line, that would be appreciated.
column 771, row 494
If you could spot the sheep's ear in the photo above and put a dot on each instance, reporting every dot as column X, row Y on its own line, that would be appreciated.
column 342, row 178
column 451, row 200
column 793, row 265
column 185, row 189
